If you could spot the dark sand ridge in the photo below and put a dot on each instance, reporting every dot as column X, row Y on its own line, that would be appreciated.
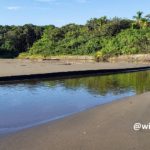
column 106, row 127
column 14, row 68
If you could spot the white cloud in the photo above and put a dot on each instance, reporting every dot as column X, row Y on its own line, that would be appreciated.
column 13, row 7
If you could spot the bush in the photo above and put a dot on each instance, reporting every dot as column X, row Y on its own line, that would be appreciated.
column 131, row 41
column 99, row 56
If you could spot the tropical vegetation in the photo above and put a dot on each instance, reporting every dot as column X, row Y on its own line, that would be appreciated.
column 101, row 37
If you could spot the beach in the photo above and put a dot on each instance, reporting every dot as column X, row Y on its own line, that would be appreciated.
column 19, row 67
column 108, row 127
column 105, row 127
column 74, row 75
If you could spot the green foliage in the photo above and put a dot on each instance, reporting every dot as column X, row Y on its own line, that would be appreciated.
column 99, row 56
column 17, row 39
column 115, row 26
column 102, row 37
column 131, row 41
column 75, row 39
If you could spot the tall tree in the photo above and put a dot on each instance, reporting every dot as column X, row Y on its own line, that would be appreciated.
column 139, row 18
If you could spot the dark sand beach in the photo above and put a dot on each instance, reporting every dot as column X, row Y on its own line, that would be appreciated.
column 18, row 67
column 107, row 127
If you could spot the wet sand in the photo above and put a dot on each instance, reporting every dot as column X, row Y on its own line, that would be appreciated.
column 106, row 127
column 17, row 67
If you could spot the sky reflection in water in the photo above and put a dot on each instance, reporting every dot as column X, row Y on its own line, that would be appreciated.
column 30, row 103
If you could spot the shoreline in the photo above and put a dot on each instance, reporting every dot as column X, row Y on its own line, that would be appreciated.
column 109, row 126
column 26, row 69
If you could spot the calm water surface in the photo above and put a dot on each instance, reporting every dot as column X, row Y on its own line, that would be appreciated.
column 26, row 104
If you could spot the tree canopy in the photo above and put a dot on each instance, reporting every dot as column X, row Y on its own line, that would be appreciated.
column 114, row 36
column 17, row 39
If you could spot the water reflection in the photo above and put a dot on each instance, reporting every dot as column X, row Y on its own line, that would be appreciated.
column 30, row 103
column 117, row 84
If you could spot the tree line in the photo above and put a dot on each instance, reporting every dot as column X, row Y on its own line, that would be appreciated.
column 17, row 39
column 102, row 37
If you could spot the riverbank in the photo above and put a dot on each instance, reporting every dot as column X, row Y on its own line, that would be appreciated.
column 107, row 127
column 136, row 58
column 15, row 69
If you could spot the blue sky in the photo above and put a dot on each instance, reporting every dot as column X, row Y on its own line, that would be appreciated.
column 60, row 12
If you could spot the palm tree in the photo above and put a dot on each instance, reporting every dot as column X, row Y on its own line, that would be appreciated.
column 139, row 18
